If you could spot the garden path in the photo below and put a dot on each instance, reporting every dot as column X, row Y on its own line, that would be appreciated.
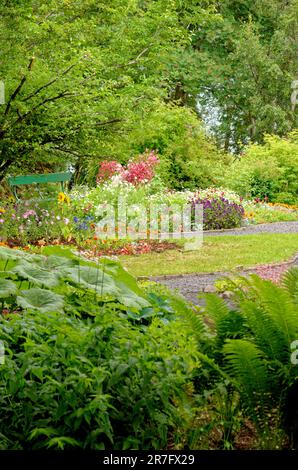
column 274, row 227
column 189, row 285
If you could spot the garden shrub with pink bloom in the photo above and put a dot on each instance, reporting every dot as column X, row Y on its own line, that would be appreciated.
column 140, row 170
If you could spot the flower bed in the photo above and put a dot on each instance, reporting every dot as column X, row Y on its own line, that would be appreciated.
column 73, row 218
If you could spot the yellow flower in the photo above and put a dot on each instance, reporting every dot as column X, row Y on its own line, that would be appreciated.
column 2, row 211
column 61, row 197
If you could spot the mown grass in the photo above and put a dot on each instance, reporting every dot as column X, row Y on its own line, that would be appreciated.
column 217, row 254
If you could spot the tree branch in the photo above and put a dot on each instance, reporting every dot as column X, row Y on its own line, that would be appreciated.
column 71, row 152
column 49, row 83
column 19, row 87
column 63, row 94
column 111, row 121
column 134, row 61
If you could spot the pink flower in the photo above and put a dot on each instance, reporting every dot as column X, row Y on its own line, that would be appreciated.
column 1, row 221
column 28, row 213
column 139, row 170
column 107, row 169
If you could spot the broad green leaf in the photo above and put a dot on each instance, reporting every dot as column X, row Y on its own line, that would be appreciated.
column 61, row 251
column 40, row 299
column 54, row 262
column 9, row 254
column 7, row 288
column 93, row 278
column 36, row 274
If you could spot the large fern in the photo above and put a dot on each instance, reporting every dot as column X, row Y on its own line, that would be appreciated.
column 192, row 318
column 245, row 362
column 290, row 282
column 258, row 355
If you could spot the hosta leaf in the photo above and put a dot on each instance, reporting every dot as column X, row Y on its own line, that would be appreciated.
column 9, row 254
column 7, row 288
column 130, row 299
column 54, row 263
column 131, row 295
column 121, row 276
column 61, row 251
column 93, row 278
column 37, row 275
column 40, row 299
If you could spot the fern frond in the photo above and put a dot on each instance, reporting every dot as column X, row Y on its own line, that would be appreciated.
column 263, row 331
column 290, row 282
column 193, row 319
column 216, row 308
column 278, row 304
column 245, row 363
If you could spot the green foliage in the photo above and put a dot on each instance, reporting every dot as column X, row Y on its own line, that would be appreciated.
column 83, row 80
column 104, row 279
column 89, row 362
column 268, row 170
column 242, row 65
column 258, row 358
column 101, row 384
column 290, row 282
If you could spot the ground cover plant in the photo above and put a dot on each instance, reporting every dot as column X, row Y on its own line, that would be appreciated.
column 91, row 360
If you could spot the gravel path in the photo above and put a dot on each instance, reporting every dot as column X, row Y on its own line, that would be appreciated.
column 275, row 227
column 190, row 285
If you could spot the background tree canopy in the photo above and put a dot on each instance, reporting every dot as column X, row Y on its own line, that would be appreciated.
column 88, row 80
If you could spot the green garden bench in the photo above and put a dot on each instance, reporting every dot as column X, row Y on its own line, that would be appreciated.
column 15, row 181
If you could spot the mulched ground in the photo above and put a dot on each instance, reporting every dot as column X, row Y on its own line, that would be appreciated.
column 95, row 250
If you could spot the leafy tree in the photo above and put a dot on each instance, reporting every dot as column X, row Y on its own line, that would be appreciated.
column 269, row 170
column 241, row 65
column 80, row 75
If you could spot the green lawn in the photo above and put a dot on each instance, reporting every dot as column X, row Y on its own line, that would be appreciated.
column 217, row 254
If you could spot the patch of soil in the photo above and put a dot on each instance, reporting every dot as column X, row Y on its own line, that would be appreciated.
column 91, row 248
column 246, row 439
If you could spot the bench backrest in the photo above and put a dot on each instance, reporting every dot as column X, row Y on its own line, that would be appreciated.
column 61, row 178
column 37, row 179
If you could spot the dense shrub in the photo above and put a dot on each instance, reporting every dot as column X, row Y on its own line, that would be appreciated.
column 189, row 158
column 91, row 361
column 139, row 170
column 219, row 213
column 269, row 170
